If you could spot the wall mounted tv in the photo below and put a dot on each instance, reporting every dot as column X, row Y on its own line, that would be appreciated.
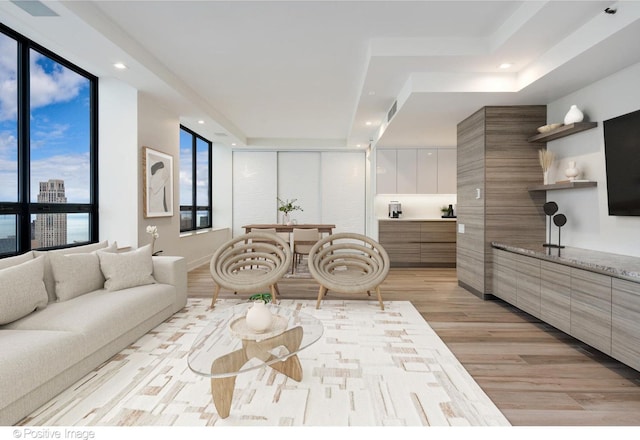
column 622, row 156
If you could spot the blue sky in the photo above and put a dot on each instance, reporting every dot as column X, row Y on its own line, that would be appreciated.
column 59, row 122
column 59, row 125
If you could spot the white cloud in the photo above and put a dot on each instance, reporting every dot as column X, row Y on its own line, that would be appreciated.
column 59, row 85
column 73, row 169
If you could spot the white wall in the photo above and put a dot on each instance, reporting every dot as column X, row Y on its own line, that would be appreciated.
column 118, row 162
column 589, row 225
column 159, row 129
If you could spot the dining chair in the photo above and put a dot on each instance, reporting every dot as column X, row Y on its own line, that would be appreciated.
column 303, row 241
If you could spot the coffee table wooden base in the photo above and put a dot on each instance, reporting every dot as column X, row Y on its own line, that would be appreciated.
column 222, row 387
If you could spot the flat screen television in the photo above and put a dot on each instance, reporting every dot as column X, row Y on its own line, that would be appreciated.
column 622, row 157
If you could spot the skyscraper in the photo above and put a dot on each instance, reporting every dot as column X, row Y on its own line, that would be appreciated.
column 51, row 229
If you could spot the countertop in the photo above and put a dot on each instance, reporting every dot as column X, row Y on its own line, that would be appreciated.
column 615, row 265
column 409, row 219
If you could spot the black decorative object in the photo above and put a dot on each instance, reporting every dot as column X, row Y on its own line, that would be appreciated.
column 550, row 208
column 560, row 220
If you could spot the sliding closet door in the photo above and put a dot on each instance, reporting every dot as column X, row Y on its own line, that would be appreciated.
column 299, row 178
column 343, row 190
column 254, row 189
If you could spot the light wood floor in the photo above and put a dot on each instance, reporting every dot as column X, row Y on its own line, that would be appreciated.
column 535, row 374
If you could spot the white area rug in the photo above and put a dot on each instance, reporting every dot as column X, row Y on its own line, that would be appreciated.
column 370, row 368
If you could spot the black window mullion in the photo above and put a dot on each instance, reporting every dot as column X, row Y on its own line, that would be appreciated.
column 24, row 155
column 194, row 187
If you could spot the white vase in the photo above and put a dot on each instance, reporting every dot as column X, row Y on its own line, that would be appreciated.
column 572, row 172
column 545, row 177
column 573, row 115
column 285, row 219
column 258, row 317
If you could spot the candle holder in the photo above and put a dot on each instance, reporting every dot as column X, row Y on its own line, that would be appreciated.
column 560, row 220
column 550, row 208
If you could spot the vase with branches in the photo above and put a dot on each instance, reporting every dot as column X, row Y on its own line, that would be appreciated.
column 546, row 160
column 286, row 207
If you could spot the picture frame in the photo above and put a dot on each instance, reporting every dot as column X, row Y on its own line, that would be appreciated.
column 158, row 183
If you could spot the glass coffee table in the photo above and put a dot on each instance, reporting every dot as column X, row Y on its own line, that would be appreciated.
column 225, row 348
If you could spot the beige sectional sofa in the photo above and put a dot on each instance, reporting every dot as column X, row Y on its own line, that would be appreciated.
column 65, row 312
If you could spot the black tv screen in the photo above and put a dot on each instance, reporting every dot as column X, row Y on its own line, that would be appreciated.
column 622, row 157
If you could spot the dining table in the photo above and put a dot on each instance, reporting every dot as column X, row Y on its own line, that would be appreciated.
column 322, row 228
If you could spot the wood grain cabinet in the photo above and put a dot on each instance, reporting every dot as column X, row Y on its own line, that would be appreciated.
column 591, row 308
column 419, row 243
column 495, row 165
column 528, row 284
column 555, row 295
column 625, row 325
column 600, row 310
column 504, row 276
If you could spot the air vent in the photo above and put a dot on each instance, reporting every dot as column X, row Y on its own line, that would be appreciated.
column 392, row 110
column 221, row 134
column 34, row 8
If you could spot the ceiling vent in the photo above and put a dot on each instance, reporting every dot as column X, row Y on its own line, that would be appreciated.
column 221, row 134
column 392, row 110
column 34, row 8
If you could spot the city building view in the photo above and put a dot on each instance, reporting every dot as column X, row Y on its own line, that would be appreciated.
column 50, row 229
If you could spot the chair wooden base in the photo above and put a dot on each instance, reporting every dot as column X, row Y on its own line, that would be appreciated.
column 323, row 291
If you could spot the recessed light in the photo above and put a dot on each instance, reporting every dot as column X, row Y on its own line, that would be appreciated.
column 505, row 65
column 233, row 144
column 120, row 66
column 372, row 92
column 368, row 123
column 200, row 121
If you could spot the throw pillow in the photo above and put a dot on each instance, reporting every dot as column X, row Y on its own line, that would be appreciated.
column 14, row 261
column 127, row 269
column 22, row 290
column 77, row 274
column 49, row 280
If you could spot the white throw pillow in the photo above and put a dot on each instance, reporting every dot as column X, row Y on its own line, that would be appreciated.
column 49, row 280
column 22, row 290
column 14, row 261
column 127, row 269
column 77, row 274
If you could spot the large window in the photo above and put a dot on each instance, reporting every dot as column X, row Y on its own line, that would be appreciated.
column 48, row 149
column 195, row 181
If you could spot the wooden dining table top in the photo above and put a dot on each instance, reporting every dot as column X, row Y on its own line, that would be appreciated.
column 322, row 228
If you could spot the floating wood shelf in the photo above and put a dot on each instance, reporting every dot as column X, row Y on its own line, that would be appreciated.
column 563, row 185
column 563, row 131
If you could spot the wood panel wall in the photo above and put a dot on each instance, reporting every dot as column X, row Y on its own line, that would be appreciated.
column 494, row 155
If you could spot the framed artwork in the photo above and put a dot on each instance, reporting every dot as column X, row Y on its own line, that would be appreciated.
column 158, row 183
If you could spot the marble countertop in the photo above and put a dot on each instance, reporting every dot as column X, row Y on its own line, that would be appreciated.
column 615, row 265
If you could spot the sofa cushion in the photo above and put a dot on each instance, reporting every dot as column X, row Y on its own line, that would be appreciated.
column 127, row 269
column 49, row 280
column 14, row 261
column 22, row 290
column 101, row 316
column 30, row 358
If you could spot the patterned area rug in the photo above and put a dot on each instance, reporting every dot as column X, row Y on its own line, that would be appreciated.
column 370, row 368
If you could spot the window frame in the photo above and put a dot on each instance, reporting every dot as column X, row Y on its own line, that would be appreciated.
column 24, row 208
column 194, row 208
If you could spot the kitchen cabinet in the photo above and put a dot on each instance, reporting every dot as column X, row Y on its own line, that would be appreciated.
column 419, row 243
column 416, row 171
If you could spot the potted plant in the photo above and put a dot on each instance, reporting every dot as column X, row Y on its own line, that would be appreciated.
column 286, row 207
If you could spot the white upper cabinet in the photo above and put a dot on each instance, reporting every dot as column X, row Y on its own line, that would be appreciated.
column 416, row 171
column 447, row 171
column 427, row 165
column 386, row 172
column 406, row 171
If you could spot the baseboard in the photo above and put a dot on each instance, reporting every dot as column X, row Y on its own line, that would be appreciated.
column 476, row 292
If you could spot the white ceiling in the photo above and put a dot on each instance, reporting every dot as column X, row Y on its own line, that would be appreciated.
column 311, row 74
